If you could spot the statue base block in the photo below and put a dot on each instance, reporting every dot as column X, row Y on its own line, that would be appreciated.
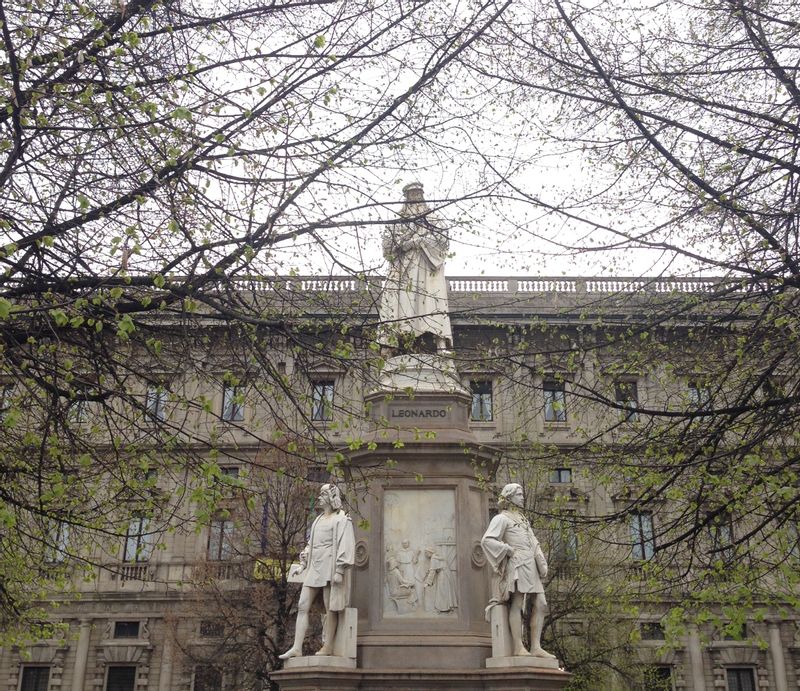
column 508, row 679
column 522, row 661
column 308, row 661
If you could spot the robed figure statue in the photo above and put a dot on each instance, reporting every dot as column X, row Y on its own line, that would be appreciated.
column 518, row 567
column 413, row 308
column 325, row 566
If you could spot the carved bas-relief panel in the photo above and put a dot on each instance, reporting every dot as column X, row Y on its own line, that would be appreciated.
column 420, row 564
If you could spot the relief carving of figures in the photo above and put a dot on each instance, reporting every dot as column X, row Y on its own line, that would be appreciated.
column 422, row 566
column 441, row 581
column 420, row 556
column 518, row 568
column 405, row 560
column 401, row 590
column 422, row 580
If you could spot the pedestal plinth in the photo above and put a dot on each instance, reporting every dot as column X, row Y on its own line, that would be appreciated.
column 319, row 662
column 409, row 679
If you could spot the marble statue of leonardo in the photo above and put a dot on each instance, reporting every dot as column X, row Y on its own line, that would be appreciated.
column 414, row 300
column 326, row 559
column 518, row 566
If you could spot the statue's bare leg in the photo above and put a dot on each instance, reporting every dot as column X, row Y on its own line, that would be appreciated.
column 537, row 624
column 331, row 623
column 307, row 597
column 515, row 623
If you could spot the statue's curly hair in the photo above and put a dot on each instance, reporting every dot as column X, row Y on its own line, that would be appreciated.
column 506, row 492
column 334, row 494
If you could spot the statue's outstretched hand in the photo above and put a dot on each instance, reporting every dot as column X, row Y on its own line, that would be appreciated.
column 338, row 578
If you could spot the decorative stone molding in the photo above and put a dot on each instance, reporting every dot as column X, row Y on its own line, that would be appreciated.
column 361, row 559
column 726, row 654
column 39, row 654
column 42, row 655
column 477, row 556
column 143, row 637
column 121, row 654
column 124, row 651
column 735, row 653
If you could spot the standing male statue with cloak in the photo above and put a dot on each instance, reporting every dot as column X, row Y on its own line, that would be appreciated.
column 518, row 568
column 413, row 307
column 326, row 562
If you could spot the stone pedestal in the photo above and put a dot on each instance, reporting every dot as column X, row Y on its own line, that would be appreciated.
column 527, row 661
column 510, row 679
column 501, row 635
column 319, row 662
column 420, row 580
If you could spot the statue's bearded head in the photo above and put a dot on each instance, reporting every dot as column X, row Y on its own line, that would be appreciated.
column 330, row 495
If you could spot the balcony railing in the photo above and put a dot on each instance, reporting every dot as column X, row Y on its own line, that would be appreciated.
column 138, row 571
column 155, row 575
column 496, row 284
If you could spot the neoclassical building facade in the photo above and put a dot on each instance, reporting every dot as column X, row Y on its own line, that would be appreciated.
column 167, row 603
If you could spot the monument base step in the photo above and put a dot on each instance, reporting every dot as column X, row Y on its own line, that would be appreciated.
column 523, row 661
column 494, row 679
column 315, row 661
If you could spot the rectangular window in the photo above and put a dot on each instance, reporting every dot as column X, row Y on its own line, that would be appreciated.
column 560, row 475
column 657, row 678
column 35, row 679
column 626, row 394
column 155, row 402
column 322, row 400
column 555, row 401
column 793, row 533
column 721, row 530
column 207, row 678
column 138, row 541
column 566, row 543
column 739, row 634
column 120, row 678
column 741, row 679
column 230, row 471
column 212, row 628
column 126, row 629
column 220, row 538
column 232, row 404
column 481, row 409
column 699, row 395
column 57, row 550
column 6, row 398
column 652, row 631
column 79, row 411
column 642, row 535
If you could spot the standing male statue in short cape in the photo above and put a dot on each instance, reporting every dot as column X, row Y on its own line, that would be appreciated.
column 414, row 300
column 326, row 562
column 518, row 566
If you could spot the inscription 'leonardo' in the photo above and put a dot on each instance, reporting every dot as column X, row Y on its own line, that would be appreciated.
column 419, row 412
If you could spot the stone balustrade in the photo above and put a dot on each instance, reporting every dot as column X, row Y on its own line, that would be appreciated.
column 495, row 284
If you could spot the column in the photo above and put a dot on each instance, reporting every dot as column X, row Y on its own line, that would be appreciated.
column 81, row 655
column 696, row 660
column 776, row 651
column 165, row 676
